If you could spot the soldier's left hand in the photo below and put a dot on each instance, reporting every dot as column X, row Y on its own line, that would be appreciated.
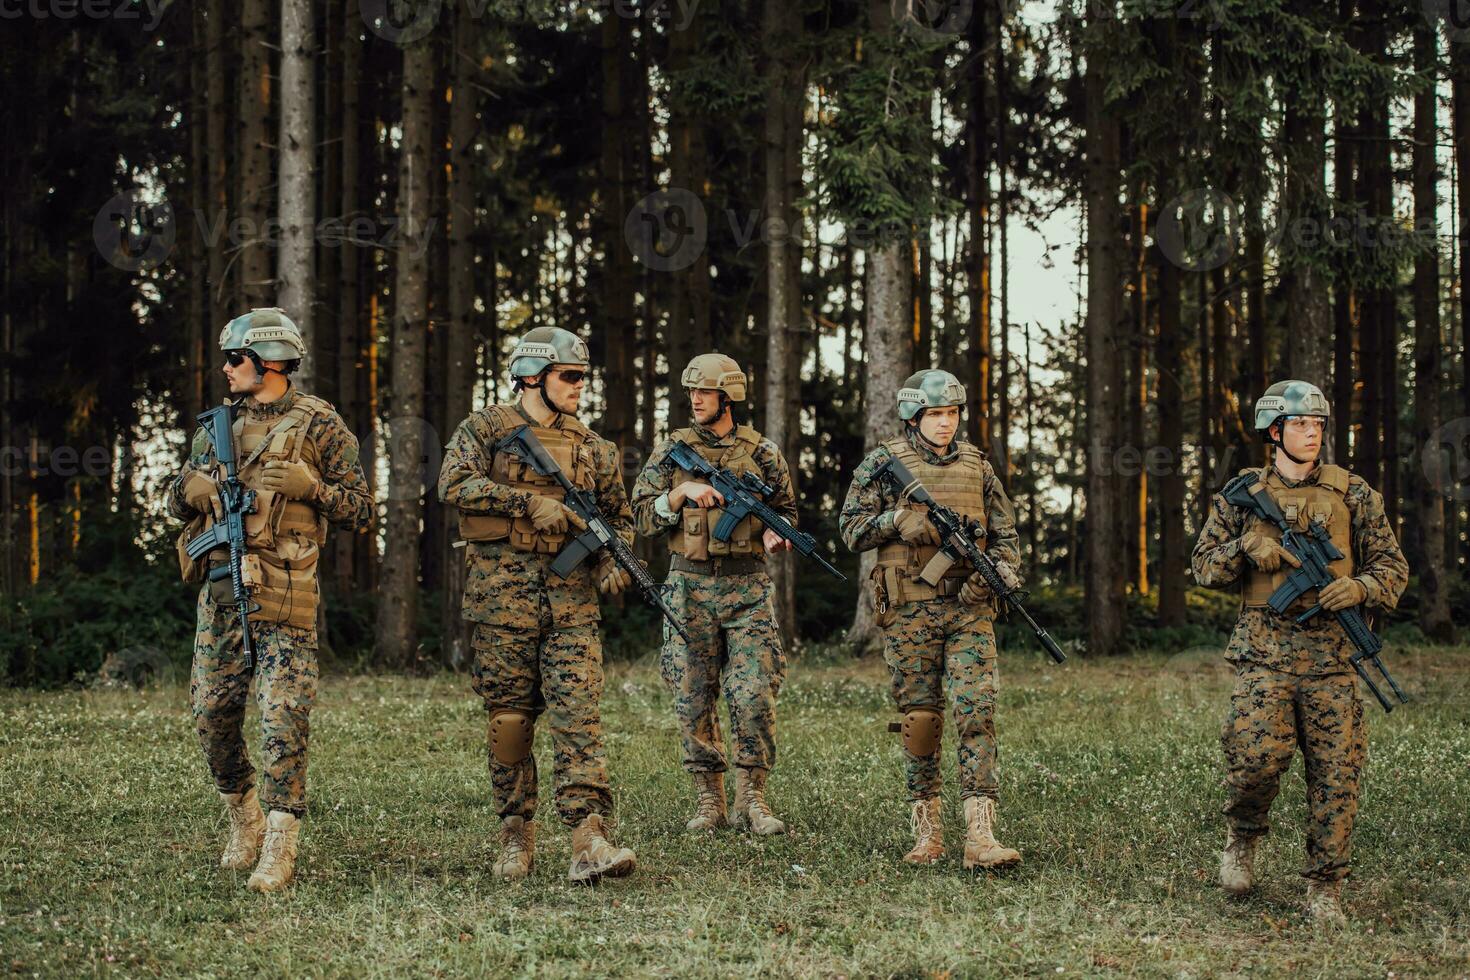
column 293, row 480
column 975, row 590
column 611, row 577
column 774, row 542
column 1342, row 594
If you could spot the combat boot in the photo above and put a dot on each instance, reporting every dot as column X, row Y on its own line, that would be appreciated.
column 928, row 830
column 517, row 848
column 1324, row 903
column 750, row 803
column 1238, row 865
column 278, row 856
column 247, row 830
column 981, row 849
column 709, row 810
column 593, row 857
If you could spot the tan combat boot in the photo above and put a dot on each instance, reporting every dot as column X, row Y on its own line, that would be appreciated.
column 928, row 832
column 1324, row 903
column 1238, row 865
column 593, row 857
column 709, row 811
column 751, row 808
column 278, row 856
column 247, row 830
column 517, row 848
column 981, row 849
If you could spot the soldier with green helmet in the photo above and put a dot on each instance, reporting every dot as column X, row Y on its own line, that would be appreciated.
column 537, row 650
column 938, row 640
column 301, row 460
column 1295, row 687
column 722, row 593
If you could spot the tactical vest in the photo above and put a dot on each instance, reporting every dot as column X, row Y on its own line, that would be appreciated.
column 283, row 538
column 570, row 445
column 958, row 485
column 692, row 537
column 1324, row 502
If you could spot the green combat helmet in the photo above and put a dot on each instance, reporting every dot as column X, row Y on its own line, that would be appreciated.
column 268, row 333
column 929, row 389
column 718, row 372
column 542, row 347
column 1284, row 400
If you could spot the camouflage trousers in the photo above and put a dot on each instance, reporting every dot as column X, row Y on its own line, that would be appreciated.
column 736, row 648
column 285, row 688
column 555, row 673
column 941, row 650
column 1272, row 715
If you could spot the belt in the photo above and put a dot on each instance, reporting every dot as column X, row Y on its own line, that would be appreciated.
column 717, row 566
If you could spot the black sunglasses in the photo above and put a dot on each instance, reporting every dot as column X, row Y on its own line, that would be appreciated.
column 234, row 358
column 571, row 377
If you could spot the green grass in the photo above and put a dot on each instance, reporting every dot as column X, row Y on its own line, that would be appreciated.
column 110, row 830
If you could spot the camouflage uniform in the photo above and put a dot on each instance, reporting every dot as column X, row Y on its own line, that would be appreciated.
column 536, row 642
column 937, row 648
column 1295, row 688
column 284, row 630
column 730, row 615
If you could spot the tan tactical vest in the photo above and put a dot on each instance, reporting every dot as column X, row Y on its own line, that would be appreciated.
column 960, row 486
column 283, row 538
column 569, row 445
column 692, row 537
column 1325, row 502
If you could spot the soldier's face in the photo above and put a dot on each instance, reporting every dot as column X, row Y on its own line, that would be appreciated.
column 242, row 377
column 564, row 388
column 1302, row 436
column 706, row 404
column 938, row 425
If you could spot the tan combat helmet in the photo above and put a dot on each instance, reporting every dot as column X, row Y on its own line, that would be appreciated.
column 1287, row 400
column 718, row 372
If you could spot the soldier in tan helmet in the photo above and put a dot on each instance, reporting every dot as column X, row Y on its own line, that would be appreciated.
column 300, row 458
column 938, row 640
column 722, row 593
column 1294, row 683
column 538, row 654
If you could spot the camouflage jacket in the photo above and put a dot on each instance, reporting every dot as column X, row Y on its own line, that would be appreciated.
column 343, row 498
column 1262, row 636
column 868, row 512
column 657, row 480
column 517, row 589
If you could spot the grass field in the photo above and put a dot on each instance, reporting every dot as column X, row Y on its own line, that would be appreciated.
column 110, row 830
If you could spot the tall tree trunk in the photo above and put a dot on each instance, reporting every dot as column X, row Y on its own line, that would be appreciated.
column 1460, row 73
column 1375, row 189
column 1106, row 602
column 217, row 215
column 1136, row 508
column 689, row 309
column 257, row 288
column 460, row 340
column 1207, row 407
column 398, row 595
column 1169, row 367
column 1304, row 290
column 617, row 274
column 196, row 354
column 351, row 364
column 1434, row 607
column 783, row 131
column 886, row 342
column 297, row 260
column 977, row 176
column 327, row 321
column 1344, row 293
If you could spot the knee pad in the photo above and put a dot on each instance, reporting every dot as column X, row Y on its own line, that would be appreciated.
column 922, row 729
column 511, row 733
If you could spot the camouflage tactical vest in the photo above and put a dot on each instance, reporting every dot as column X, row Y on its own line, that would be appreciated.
column 1323, row 502
column 569, row 445
column 958, row 485
column 283, row 538
column 692, row 536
